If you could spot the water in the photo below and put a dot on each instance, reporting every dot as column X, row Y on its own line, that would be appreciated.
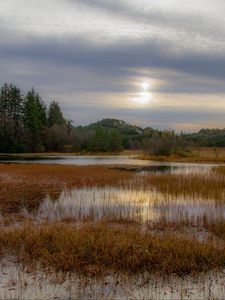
column 19, row 283
column 123, row 161
column 128, row 204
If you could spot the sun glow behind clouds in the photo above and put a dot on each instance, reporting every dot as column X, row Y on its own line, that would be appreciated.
column 145, row 96
column 145, row 85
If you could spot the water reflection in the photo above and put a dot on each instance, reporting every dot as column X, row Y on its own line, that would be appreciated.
column 124, row 162
column 130, row 205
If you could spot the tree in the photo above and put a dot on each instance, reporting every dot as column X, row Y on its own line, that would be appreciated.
column 35, row 119
column 11, row 102
column 161, row 144
column 99, row 141
column 57, row 138
column 69, row 126
column 114, row 141
column 55, row 115
column 11, row 110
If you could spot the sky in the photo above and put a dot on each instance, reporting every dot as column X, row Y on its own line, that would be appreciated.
column 158, row 63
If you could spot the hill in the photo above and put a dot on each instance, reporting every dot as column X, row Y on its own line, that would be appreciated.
column 130, row 135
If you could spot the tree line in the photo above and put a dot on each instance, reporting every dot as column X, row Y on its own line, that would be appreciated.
column 28, row 125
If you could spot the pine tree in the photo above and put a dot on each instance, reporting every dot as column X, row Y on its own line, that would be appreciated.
column 35, row 118
column 115, row 141
column 55, row 115
column 11, row 102
column 100, row 140
column 11, row 110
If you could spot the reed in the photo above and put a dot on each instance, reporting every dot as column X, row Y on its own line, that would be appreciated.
column 81, row 194
column 99, row 249
column 27, row 185
column 207, row 186
column 199, row 154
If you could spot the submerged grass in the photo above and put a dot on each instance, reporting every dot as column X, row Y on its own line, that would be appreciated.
column 99, row 249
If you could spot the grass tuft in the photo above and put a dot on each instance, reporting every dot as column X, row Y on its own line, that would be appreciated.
column 97, row 249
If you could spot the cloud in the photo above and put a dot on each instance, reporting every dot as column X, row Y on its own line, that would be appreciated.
column 93, row 54
column 110, row 59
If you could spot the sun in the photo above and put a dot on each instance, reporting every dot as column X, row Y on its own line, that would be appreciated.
column 144, row 96
column 145, row 85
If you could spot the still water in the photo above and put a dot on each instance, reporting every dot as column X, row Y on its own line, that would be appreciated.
column 127, row 161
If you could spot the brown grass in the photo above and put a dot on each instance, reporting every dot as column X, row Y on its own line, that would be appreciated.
column 218, row 228
column 96, row 250
column 118, row 244
column 27, row 185
column 193, row 185
column 219, row 170
column 163, row 225
column 201, row 154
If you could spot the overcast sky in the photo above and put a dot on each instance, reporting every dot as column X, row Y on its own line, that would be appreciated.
column 158, row 63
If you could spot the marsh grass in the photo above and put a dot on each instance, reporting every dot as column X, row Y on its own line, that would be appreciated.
column 217, row 227
column 207, row 186
column 98, row 249
column 103, row 220
column 27, row 185
column 199, row 154
column 128, row 205
column 84, row 194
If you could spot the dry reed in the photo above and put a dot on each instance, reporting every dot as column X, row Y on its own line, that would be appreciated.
column 27, row 185
column 99, row 249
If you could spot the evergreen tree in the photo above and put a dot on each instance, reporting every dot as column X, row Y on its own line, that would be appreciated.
column 35, row 118
column 115, row 141
column 11, row 110
column 99, row 142
column 11, row 102
column 55, row 115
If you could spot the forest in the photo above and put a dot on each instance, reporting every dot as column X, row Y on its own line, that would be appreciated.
column 28, row 125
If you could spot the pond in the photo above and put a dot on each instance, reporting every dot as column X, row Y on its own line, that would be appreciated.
column 123, row 161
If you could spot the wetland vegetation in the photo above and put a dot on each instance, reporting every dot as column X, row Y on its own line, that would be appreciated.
column 92, row 221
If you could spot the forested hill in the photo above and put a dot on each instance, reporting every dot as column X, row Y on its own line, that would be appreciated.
column 120, row 125
column 128, row 136
column 27, row 124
